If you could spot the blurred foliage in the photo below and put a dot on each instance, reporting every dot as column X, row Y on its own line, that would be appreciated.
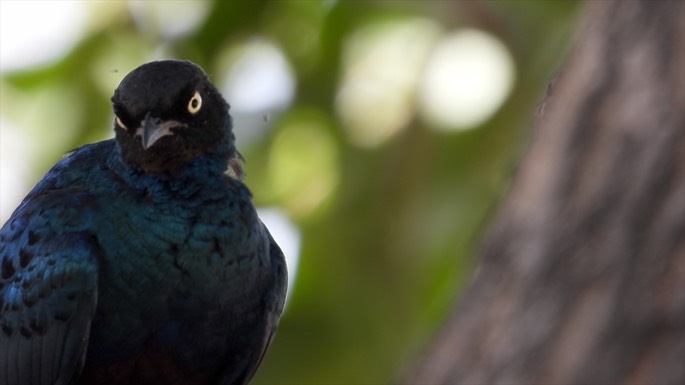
column 388, row 231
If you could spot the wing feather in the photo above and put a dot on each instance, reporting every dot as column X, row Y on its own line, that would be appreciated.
column 274, row 300
column 48, row 289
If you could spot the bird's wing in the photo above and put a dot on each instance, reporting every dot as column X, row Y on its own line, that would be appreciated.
column 48, row 289
column 275, row 300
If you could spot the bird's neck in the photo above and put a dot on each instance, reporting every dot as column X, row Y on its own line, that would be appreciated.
column 201, row 172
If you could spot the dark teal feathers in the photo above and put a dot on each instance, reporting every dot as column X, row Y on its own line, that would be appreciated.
column 139, row 260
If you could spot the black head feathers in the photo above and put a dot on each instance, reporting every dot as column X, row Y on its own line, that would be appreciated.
column 168, row 113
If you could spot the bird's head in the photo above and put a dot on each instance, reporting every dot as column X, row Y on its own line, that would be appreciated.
column 168, row 113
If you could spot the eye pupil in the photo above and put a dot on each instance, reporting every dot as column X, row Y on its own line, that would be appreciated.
column 195, row 103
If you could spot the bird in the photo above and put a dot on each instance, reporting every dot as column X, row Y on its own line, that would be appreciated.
column 141, row 259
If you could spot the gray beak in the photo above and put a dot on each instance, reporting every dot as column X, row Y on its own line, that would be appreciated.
column 152, row 129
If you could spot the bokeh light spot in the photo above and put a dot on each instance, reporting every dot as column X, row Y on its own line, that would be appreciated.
column 35, row 32
column 258, row 84
column 467, row 78
column 382, row 63
column 303, row 164
column 171, row 19
column 259, row 79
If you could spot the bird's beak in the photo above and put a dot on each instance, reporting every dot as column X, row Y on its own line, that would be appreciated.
column 152, row 129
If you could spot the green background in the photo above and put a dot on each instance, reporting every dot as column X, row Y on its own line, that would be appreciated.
column 390, row 237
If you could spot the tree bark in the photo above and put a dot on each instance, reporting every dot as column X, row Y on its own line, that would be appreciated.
column 582, row 272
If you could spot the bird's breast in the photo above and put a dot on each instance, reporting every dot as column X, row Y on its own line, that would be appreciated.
column 176, row 277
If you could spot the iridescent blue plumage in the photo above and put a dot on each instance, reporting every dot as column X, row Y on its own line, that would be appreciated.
column 135, row 264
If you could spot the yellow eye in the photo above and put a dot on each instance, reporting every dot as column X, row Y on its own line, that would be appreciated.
column 195, row 103
column 120, row 123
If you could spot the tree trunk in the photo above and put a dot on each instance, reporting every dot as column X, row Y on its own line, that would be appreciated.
column 582, row 275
